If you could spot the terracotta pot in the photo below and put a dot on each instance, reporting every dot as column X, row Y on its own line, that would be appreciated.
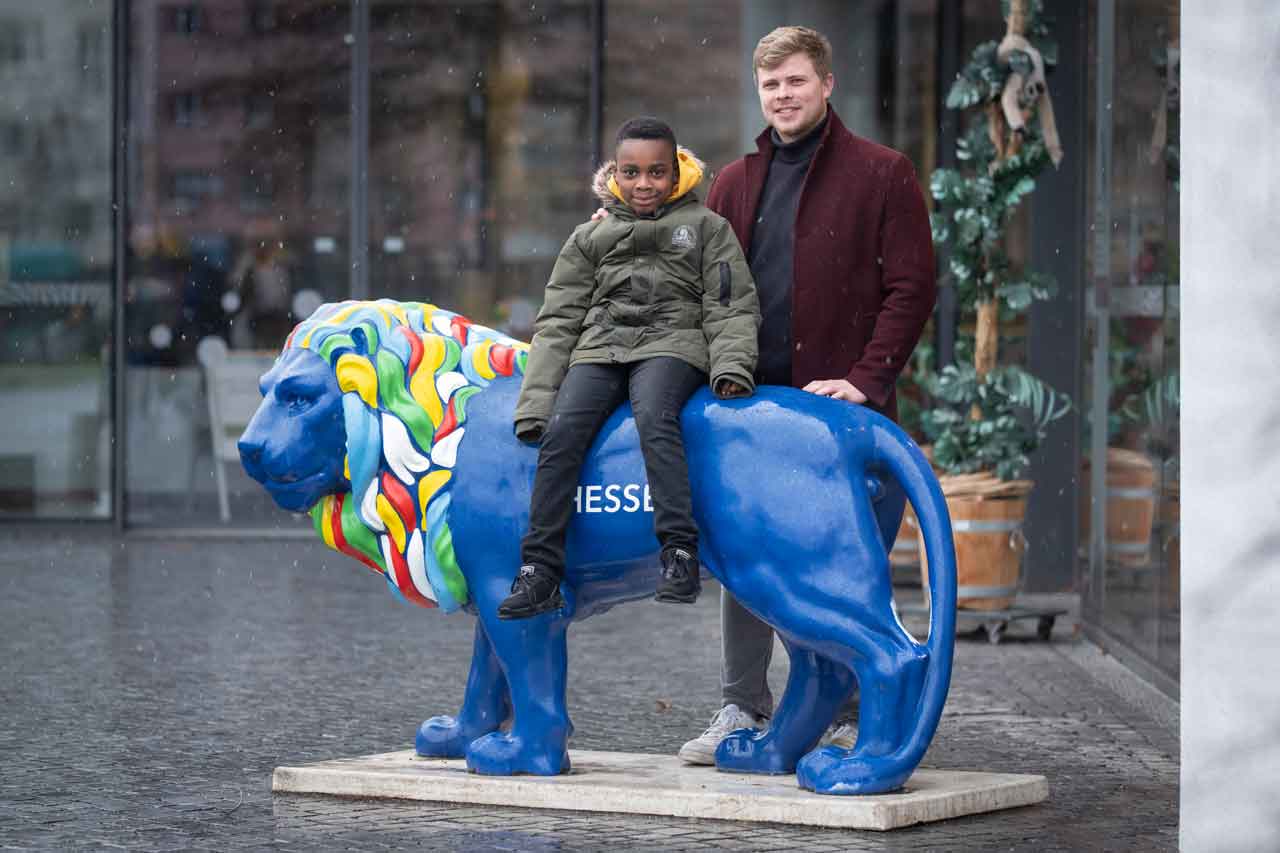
column 1131, row 506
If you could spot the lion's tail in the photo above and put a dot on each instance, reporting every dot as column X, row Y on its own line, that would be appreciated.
column 904, row 461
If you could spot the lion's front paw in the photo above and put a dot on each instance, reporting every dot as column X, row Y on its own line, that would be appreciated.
column 750, row 751
column 499, row 754
column 832, row 770
column 442, row 737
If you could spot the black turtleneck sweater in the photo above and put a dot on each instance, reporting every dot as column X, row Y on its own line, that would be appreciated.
column 771, row 256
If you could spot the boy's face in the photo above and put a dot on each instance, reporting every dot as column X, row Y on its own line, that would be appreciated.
column 646, row 173
column 793, row 97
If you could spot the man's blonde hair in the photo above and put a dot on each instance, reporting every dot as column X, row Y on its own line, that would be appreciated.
column 773, row 49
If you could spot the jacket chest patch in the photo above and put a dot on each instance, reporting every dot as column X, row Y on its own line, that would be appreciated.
column 683, row 238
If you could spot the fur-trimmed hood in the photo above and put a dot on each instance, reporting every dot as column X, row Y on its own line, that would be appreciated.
column 691, row 169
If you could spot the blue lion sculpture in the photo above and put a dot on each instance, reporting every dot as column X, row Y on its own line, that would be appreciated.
column 391, row 423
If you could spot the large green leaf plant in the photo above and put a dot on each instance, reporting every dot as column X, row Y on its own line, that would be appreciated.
column 1014, row 410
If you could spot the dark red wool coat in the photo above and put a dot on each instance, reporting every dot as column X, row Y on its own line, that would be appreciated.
column 864, row 283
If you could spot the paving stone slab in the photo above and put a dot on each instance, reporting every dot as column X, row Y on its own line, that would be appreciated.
column 630, row 783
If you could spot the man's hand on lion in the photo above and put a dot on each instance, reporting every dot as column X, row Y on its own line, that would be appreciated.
column 727, row 389
column 841, row 389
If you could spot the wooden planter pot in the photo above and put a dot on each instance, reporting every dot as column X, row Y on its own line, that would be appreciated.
column 986, row 526
column 1131, row 506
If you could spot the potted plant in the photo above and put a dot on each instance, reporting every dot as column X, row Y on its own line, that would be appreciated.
column 990, row 417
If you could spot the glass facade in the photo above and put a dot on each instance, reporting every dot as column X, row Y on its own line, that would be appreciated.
column 1130, row 537
column 468, row 124
column 270, row 155
column 56, row 258
column 479, row 140
column 238, row 179
column 884, row 65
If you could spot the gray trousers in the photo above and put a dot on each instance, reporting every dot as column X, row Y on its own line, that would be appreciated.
column 745, row 652
column 746, row 643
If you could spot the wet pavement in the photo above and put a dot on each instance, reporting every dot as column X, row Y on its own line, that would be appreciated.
column 150, row 686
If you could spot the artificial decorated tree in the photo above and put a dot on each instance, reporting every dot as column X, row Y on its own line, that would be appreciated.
column 990, row 416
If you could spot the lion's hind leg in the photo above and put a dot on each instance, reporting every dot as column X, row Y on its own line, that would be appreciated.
column 853, row 625
column 891, row 675
column 485, row 706
column 816, row 686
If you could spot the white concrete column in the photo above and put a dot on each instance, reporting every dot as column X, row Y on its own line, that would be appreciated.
column 1230, row 280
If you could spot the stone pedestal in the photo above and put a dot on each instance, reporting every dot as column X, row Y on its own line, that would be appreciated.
column 630, row 783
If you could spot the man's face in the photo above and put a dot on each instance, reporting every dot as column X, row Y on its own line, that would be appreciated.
column 793, row 97
column 646, row 173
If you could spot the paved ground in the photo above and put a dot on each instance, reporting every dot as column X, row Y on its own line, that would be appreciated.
column 149, row 688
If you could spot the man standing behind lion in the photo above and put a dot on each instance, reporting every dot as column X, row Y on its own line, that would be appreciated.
column 837, row 238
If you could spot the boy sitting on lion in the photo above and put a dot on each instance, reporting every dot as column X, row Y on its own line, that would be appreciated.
column 643, row 305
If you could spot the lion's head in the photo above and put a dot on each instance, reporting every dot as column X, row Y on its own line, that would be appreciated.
column 360, row 423
column 296, row 442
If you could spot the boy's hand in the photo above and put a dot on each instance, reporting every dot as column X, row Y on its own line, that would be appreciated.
column 530, row 431
column 600, row 213
column 727, row 389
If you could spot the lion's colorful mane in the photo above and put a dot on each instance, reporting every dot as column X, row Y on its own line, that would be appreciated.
column 406, row 371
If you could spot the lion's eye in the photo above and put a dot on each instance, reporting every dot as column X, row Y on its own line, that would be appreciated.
column 296, row 402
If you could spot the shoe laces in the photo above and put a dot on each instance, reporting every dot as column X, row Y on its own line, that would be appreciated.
column 842, row 734
column 677, row 565
column 525, row 578
column 726, row 720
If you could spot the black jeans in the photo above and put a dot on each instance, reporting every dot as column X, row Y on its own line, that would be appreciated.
column 658, row 388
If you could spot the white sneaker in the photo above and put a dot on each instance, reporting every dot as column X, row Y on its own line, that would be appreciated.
column 702, row 749
column 843, row 735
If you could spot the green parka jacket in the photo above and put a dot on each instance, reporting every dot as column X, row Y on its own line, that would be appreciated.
column 628, row 288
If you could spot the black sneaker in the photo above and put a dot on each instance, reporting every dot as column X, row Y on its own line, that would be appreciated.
column 680, row 583
column 535, row 590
